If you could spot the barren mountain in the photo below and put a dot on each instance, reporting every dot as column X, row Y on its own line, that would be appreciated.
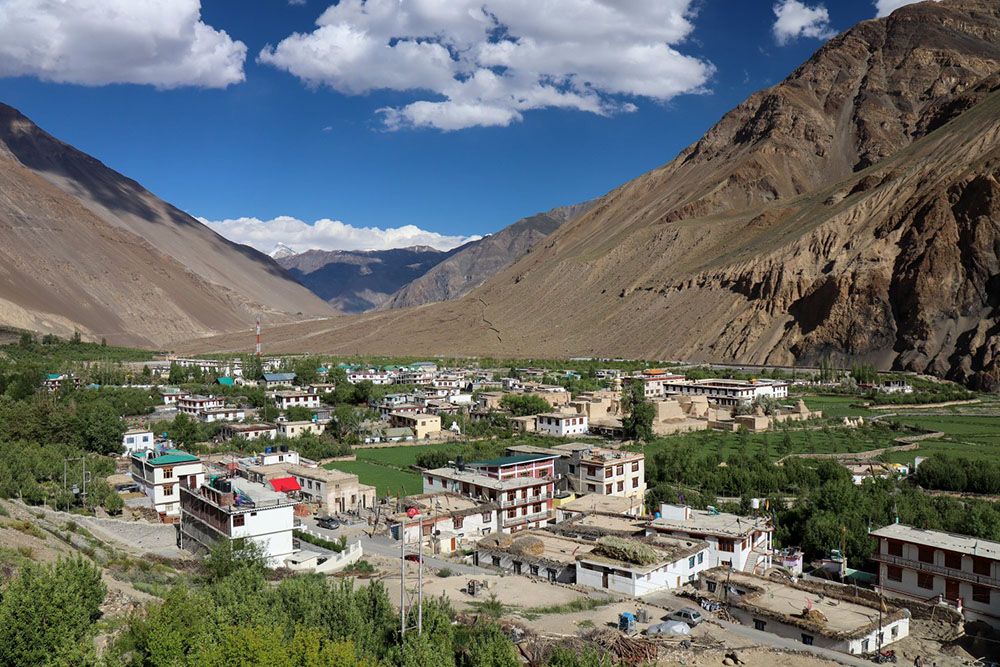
column 471, row 265
column 86, row 249
column 851, row 210
column 356, row 281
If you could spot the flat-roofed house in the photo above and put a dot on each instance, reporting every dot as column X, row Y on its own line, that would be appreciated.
column 194, row 404
column 561, row 424
column 296, row 399
column 834, row 617
column 293, row 429
column 922, row 564
column 641, row 566
column 742, row 543
column 422, row 424
column 160, row 475
column 249, row 431
column 137, row 440
column 332, row 490
column 445, row 521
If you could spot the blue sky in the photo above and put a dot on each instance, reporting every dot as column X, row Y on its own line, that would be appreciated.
column 298, row 136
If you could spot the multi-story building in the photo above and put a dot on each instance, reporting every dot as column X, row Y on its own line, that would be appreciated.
column 273, row 380
column 161, row 474
column 228, row 509
column 930, row 564
column 561, row 424
column 728, row 392
column 332, row 490
column 296, row 399
column 249, row 431
column 194, row 404
column 293, row 429
column 444, row 521
column 653, row 380
column 742, row 543
column 677, row 562
column 522, row 486
column 422, row 424
column 171, row 395
column 372, row 375
column 53, row 382
column 137, row 440
column 226, row 413
column 610, row 472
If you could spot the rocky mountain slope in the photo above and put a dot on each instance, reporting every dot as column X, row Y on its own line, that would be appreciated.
column 356, row 281
column 86, row 249
column 471, row 265
column 852, row 210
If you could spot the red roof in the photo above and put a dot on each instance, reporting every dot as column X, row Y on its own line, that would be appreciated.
column 285, row 484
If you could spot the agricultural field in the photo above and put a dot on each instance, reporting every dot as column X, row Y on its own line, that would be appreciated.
column 969, row 436
column 402, row 457
column 383, row 478
column 836, row 406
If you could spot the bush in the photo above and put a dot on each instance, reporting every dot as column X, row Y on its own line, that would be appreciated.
column 319, row 541
column 444, row 572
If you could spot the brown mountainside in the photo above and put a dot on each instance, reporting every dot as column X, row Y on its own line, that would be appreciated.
column 87, row 249
column 850, row 210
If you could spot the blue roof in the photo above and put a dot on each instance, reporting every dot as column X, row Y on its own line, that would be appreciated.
column 225, row 381
column 279, row 377
column 322, row 369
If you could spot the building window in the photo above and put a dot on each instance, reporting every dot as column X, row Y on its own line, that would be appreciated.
column 607, row 489
column 608, row 472
column 496, row 561
column 168, row 473
column 893, row 573
column 517, row 567
column 635, row 482
column 572, row 468
column 168, row 489
column 711, row 586
column 538, row 508
column 807, row 639
column 981, row 566
column 925, row 580
column 511, row 514
column 981, row 594
column 533, row 569
column 953, row 560
column 239, row 520
column 621, row 485
column 591, row 488
column 895, row 631
column 691, row 561
column 925, row 555
column 701, row 558
column 426, row 529
column 726, row 545
column 759, row 624
column 458, row 521
column 895, row 548
column 635, row 466
column 487, row 517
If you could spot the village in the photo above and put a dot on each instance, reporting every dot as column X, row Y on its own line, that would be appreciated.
column 559, row 536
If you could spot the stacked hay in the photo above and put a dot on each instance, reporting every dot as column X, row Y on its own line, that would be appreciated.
column 629, row 551
column 528, row 546
column 814, row 616
column 496, row 541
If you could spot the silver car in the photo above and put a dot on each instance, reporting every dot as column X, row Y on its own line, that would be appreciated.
column 688, row 615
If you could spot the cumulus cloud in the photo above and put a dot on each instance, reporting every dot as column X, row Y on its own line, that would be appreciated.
column 486, row 62
column 795, row 19
column 163, row 43
column 327, row 234
column 886, row 7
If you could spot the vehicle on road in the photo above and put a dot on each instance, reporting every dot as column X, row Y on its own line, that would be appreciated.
column 688, row 615
column 327, row 522
column 413, row 557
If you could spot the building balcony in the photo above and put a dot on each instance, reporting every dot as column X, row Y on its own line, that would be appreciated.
column 951, row 573
column 526, row 501
column 515, row 520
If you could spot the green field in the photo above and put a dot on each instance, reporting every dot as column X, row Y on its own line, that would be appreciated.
column 383, row 478
column 402, row 457
column 969, row 436
column 836, row 406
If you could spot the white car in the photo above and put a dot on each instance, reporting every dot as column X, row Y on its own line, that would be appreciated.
column 688, row 615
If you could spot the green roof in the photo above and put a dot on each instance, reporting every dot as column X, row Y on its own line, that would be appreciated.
column 226, row 381
column 53, row 376
column 171, row 457
column 511, row 460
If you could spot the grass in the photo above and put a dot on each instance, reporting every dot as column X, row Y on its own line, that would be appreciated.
column 384, row 479
column 492, row 607
column 319, row 541
column 580, row 604
column 975, row 437
column 837, row 406
column 402, row 457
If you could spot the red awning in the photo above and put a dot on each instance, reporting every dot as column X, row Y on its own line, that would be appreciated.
column 285, row 484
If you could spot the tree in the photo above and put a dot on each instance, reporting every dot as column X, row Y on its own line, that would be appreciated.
column 253, row 367
column 521, row 405
column 229, row 556
column 183, row 431
column 103, row 429
column 114, row 504
column 638, row 412
column 47, row 612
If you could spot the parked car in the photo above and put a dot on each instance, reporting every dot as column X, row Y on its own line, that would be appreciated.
column 413, row 557
column 327, row 522
column 688, row 615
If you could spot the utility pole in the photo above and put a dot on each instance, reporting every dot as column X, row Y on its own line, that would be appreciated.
column 402, row 580
column 420, row 577
column 85, row 476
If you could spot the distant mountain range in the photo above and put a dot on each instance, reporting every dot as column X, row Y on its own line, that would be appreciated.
column 357, row 281
column 851, row 211
column 83, row 248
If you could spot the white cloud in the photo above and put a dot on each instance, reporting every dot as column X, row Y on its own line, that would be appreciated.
column 96, row 42
column 886, row 7
column 486, row 62
column 795, row 19
column 327, row 234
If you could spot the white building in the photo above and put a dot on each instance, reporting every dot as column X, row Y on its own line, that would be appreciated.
column 173, row 394
column 559, row 424
column 137, row 440
column 226, row 413
column 372, row 375
column 445, row 521
column 195, row 404
column 249, row 431
column 728, row 392
column 238, row 508
column 296, row 399
column 922, row 564
column 742, row 543
column 161, row 474
column 678, row 562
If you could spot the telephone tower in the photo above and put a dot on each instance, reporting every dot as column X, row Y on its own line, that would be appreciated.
column 257, row 349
